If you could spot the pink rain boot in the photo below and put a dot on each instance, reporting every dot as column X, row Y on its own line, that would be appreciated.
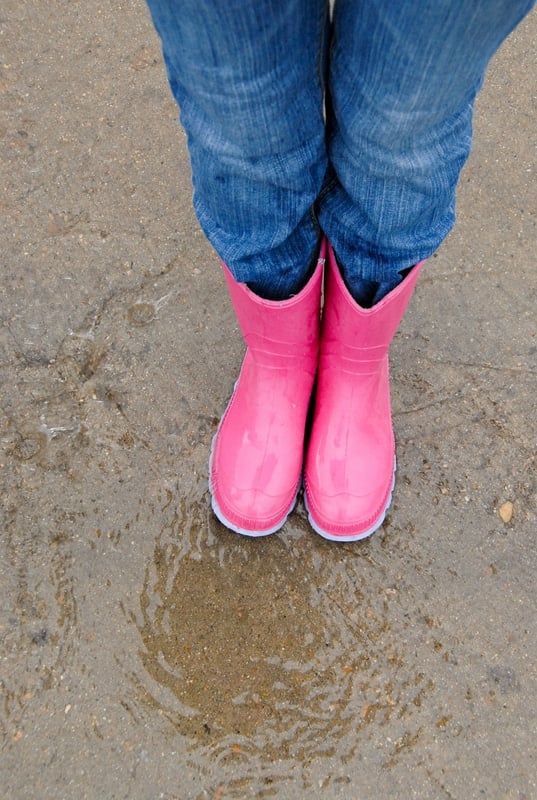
column 256, row 457
column 350, row 464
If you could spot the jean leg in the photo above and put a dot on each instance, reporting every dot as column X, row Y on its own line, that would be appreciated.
column 403, row 79
column 248, row 78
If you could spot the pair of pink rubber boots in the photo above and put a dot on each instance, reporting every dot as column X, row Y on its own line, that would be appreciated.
column 259, row 452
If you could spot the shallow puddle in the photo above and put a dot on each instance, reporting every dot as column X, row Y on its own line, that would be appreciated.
column 267, row 654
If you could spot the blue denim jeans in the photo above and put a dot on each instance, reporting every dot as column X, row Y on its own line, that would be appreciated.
column 357, row 125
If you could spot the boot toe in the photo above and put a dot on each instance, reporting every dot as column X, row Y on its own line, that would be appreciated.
column 252, row 512
column 346, row 516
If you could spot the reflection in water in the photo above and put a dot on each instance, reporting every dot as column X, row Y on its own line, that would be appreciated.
column 269, row 652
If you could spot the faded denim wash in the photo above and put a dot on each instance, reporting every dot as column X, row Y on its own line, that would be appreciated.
column 358, row 125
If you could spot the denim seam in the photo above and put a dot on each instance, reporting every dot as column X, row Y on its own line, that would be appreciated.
column 322, row 45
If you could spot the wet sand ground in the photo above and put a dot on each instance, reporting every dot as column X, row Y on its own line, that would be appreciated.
column 146, row 652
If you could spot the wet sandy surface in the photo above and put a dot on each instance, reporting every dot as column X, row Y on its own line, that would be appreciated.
column 145, row 651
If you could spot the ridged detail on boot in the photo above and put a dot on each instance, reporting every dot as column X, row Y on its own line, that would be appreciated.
column 256, row 456
column 350, row 464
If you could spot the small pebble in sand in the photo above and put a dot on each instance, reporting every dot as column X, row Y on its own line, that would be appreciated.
column 506, row 512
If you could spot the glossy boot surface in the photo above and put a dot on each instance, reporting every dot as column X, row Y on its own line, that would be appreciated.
column 350, row 464
column 257, row 453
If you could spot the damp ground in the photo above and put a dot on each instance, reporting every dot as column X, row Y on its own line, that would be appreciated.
column 145, row 651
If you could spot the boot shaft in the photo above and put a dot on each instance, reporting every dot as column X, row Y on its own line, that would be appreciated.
column 279, row 328
column 359, row 334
